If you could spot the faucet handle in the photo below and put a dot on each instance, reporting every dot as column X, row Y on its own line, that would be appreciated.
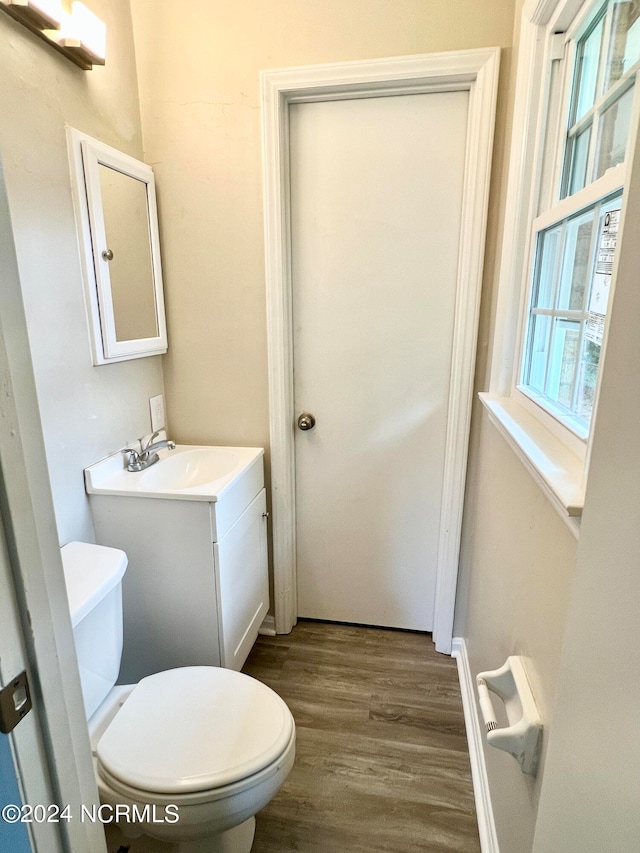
column 132, row 455
column 151, row 440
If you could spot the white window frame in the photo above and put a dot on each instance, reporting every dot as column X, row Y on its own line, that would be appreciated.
column 556, row 456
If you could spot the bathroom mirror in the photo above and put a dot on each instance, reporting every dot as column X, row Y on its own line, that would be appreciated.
column 118, row 233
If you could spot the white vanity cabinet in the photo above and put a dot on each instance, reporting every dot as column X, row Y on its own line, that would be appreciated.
column 242, row 582
column 196, row 589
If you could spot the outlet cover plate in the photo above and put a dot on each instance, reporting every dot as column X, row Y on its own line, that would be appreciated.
column 156, row 405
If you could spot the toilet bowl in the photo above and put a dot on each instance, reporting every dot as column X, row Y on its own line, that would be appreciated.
column 186, row 756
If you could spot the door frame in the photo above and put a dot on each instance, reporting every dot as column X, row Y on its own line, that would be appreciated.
column 475, row 71
column 52, row 754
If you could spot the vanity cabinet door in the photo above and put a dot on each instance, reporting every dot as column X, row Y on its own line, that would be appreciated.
column 243, row 583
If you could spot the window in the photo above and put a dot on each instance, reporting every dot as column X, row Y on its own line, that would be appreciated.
column 574, row 261
column 574, row 115
column 573, row 256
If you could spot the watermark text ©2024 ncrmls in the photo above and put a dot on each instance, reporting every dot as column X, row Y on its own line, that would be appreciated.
column 104, row 813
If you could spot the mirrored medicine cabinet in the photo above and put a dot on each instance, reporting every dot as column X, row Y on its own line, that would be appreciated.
column 117, row 221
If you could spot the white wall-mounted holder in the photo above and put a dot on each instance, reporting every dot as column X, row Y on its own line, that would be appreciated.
column 522, row 738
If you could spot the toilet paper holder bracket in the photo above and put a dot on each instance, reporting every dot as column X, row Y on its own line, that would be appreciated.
column 522, row 738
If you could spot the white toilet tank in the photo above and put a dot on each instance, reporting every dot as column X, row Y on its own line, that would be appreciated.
column 93, row 576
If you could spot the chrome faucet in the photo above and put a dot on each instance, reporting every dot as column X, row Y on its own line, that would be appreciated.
column 138, row 460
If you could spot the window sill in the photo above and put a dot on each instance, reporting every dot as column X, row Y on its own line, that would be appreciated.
column 556, row 470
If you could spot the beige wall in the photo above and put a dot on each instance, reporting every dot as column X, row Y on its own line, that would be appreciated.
column 517, row 564
column 201, row 125
column 198, row 76
column 591, row 788
column 86, row 411
column 198, row 67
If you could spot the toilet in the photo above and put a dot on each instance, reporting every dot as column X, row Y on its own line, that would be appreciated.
column 189, row 755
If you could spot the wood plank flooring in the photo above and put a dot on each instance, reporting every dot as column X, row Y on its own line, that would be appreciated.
column 381, row 755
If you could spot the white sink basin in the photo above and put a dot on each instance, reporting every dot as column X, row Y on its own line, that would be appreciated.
column 188, row 473
column 194, row 466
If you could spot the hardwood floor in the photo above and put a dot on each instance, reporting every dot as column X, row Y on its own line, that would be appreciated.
column 381, row 755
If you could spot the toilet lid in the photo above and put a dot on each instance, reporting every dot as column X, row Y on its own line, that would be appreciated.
column 193, row 729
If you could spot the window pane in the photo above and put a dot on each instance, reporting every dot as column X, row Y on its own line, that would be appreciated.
column 549, row 246
column 576, row 263
column 538, row 351
column 588, row 375
column 624, row 43
column 614, row 130
column 565, row 331
column 587, row 60
column 563, row 362
column 578, row 161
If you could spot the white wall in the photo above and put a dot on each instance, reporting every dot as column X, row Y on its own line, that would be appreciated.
column 86, row 411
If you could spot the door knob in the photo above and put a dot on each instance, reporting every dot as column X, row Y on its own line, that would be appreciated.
column 306, row 421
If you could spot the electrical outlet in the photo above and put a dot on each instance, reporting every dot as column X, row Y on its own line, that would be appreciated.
column 156, row 405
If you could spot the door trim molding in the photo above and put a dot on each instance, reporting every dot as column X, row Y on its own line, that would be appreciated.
column 51, row 747
column 475, row 71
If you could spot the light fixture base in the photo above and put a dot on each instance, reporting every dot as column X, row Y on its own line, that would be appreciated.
column 47, row 29
column 31, row 14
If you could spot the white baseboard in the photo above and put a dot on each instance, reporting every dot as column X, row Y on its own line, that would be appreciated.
column 268, row 627
column 484, row 810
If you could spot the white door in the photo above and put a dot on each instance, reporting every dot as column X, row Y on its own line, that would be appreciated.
column 23, row 768
column 13, row 835
column 376, row 192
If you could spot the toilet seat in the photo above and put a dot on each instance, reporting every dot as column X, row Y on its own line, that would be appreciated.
column 194, row 729
column 128, row 793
